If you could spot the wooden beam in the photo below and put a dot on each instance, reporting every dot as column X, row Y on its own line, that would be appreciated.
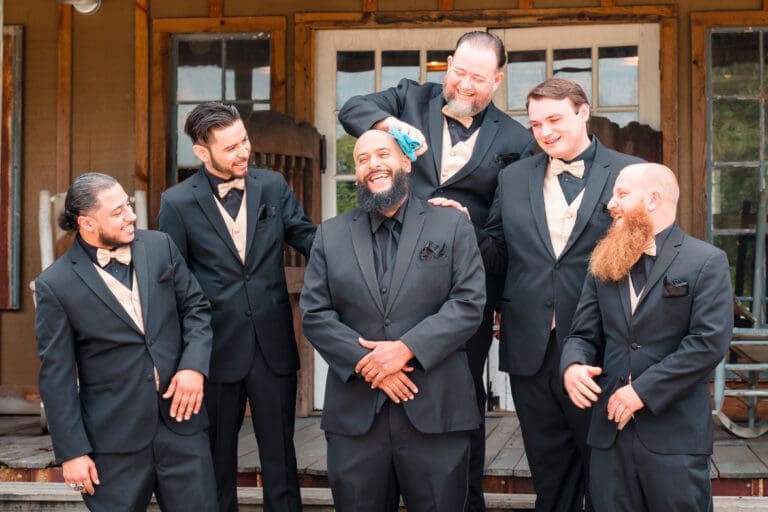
column 64, row 99
column 765, row 5
column 525, row 4
column 370, row 5
column 215, row 8
column 607, row 3
column 141, row 91
column 447, row 5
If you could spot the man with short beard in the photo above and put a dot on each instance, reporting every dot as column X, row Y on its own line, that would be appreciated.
column 392, row 292
column 465, row 142
column 654, row 318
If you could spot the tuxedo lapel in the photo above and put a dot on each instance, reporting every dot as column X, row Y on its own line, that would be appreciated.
column 253, row 200
column 626, row 304
column 362, row 242
column 413, row 221
column 536, row 193
column 485, row 137
column 141, row 268
column 593, row 190
column 201, row 189
column 669, row 252
column 436, row 135
column 85, row 269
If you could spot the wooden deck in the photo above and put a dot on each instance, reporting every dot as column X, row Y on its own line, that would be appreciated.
column 739, row 467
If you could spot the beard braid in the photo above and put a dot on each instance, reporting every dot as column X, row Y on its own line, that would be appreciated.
column 622, row 246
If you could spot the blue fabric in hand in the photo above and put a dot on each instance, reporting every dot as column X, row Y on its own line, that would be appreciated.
column 407, row 143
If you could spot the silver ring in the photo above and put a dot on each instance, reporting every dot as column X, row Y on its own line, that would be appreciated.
column 79, row 487
column 72, row 485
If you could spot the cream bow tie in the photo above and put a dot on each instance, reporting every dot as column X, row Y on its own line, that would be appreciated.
column 650, row 250
column 121, row 254
column 558, row 167
column 224, row 188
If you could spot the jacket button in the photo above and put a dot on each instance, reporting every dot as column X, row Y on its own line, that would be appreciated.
column 634, row 346
column 387, row 322
column 383, row 289
column 150, row 377
column 247, row 313
column 247, row 277
column 548, row 303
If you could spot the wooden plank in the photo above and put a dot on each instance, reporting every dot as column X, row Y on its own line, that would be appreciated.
column 500, row 437
column 447, row 5
column 141, row 92
column 64, row 98
column 311, row 458
column 370, row 5
column 215, row 8
column 607, row 3
column 734, row 459
column 525, row 4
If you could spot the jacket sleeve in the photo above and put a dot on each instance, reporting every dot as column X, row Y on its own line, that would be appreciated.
column 299, row 231
column 360, row 113
column 490, row 239
column 169, row 221
column 336, row 341
column 585, row 343
column 58, row 375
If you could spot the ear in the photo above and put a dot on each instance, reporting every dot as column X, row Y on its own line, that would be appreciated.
column 497, row 80
column 86, row 224
column 202, row 153
column 654, row 200
column 584, row 111
column 406, row 164
column 449, row 60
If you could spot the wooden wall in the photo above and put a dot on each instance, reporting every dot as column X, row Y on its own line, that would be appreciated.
column 103, row 114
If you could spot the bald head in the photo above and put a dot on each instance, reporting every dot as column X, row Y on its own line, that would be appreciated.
column 653, row 185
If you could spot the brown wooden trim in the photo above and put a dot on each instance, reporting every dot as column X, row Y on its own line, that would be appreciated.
column 607, row 3
column 447, row 5
column 202, row 25
column 64, row 98
column 668, row 87
column 700, row 22
column 215, row 8
column 765, row 5
column 370, row 5
column 141, row 88
column 525, row 4
column 158, row 113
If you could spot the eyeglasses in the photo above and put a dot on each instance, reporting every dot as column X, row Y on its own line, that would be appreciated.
column 476, row 79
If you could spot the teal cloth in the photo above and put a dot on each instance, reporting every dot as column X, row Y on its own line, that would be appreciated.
column 407, row 143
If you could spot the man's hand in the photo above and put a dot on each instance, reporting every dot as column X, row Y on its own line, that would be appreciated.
column 389, row 123
column 186, row 388
column 450, row 203
column 580, row 384
column 399, row 386
column 384, row 359
column 80, row 471
column 623, row 404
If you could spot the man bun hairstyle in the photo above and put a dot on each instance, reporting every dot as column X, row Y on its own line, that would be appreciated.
column 209, row 116
column 82, row 197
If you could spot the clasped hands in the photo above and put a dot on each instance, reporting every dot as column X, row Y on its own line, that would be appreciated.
column 385, row 367
column 583, row 390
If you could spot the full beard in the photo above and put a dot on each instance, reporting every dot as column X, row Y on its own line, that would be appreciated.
column 622, row 246
column 461, row 109
column 382, row 201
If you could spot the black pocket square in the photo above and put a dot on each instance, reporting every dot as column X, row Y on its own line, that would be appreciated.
column 675, row 287
column 432, row 250
column 505, row 159
column 266, row 211
column 168, row 274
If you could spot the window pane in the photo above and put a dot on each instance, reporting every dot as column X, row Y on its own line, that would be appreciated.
column 617, row 76
column 620, row 118
column 741, row 259
column 574, row 64
column 396, row 65
column 345, row 143
column 345, row 196
column 735, row 130
column 735, row 197
column 437, row 64
column 184, row 155
column 198, row 77
column 736, row 63
column 354, row 75
column 525, row 70
column 247, row 74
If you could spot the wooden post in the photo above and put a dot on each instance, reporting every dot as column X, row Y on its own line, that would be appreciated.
column 215, row 8
column 447, row 5
column 525, row 4
column 141, row 88
column 372, row 5
column 64, row 99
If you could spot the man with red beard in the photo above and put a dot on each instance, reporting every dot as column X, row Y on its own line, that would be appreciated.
column 465, row 142
column 654, row 318
column 392, row 292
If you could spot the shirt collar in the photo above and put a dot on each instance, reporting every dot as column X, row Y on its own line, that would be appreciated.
column 588, row 155
column 377, row 218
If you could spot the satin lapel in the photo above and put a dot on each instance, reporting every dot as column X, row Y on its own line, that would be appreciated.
column 669, row 252
column 141, row 268
column 486, row 137
column 435, row 136
column 536, row 194
column 84, row 268
column 253, row 200
column 362, row 242
column 626, row 305
column 201, row 189
column 593, row 190
column 412, row 224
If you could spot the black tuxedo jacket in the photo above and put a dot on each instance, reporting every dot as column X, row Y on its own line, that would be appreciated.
column 249, row 301
column 501, row 141
column 84, row 333
column 517, row 237
column 680, row 330
column 434, row 304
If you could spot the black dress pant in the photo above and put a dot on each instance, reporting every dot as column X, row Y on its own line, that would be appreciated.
column 555, row 436
column 272, row 398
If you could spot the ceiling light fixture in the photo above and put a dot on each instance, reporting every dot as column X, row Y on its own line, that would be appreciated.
column 86, row 7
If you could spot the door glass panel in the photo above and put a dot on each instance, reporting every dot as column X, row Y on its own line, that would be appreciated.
column 741, row 260
column 396, row 65
column 345, row 143
column 525, row 70
column 198, row 73
column 618, row 76
column 345, row 196
column 354, row 75
column 735, row 130
column 735, row 197
column 437, row 65
column 247, row 76
column 735, row 63
column 574, row 64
